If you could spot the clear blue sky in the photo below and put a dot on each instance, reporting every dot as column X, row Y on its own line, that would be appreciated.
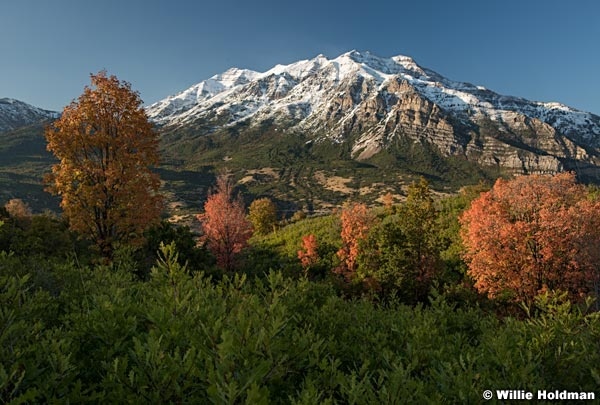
column 543, row 50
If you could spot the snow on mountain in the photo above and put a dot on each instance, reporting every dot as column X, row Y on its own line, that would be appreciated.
column 329, row 93
column 164, row 110
column 15, row 114
column 246, row 93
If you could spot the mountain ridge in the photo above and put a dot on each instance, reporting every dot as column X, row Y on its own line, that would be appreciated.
column 368, row 103
column 451, row 95
column 317, row 132
column 15, row 114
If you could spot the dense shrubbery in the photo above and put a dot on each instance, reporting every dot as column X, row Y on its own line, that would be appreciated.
column 42, row 235
column 407, row 327
column 100, row 335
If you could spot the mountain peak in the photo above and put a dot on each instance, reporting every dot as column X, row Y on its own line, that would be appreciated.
column 363, row 57
column 320, row 88
column 353, row 54
column 15, row 113
column 234, row 76
column 376, row 66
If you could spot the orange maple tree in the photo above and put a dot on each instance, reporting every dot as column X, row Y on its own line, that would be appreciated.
column 532, row 234
column 17, row 208
column 356, row 220
column 224, row 223
column 309, row 254
column 388, row 202
column 105, row 146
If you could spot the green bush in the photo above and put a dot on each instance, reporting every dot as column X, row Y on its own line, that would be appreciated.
column 101, row 335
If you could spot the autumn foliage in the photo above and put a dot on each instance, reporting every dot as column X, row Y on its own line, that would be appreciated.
column 388, row 202
column 224, row 223
column 105, row 146
column 309, row 254
column 533, row 234
column 356, row 221
column 17, row 208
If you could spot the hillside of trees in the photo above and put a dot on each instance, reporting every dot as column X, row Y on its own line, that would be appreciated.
column 424, row 300
column 378, row 306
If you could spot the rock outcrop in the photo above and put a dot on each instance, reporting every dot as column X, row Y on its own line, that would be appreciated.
column 371, row 102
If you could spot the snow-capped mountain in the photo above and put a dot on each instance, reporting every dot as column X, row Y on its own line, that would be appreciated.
column 15, row 114
column 173, row 106
column 370, row 101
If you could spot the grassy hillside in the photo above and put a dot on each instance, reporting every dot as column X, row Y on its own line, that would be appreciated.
column 23, row 161
column 300, row 173
column 295, row 172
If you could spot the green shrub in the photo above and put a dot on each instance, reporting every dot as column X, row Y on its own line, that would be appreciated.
column 103, row 336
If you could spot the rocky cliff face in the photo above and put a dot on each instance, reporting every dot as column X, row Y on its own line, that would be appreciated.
column 370, row 102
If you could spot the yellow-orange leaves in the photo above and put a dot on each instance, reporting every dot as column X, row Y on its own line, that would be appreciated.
column 105, row 146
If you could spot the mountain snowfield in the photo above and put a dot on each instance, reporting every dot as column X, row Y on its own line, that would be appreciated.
column 313, row 133
column 15, row 114
column 314, row 94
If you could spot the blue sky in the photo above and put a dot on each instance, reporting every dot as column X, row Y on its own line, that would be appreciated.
column 542, row 50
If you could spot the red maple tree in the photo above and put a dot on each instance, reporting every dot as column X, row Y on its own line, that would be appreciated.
column 533, row 234
column 224, row 223
column 357, row 220
column 308, row 255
